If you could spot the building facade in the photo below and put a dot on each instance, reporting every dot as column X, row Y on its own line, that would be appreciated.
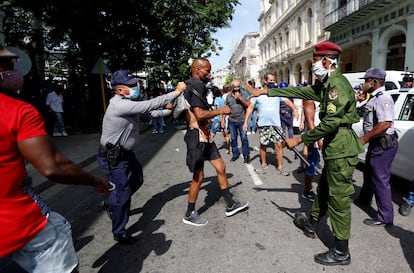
column 245, row 60
column 220, row 76
column 372, row 33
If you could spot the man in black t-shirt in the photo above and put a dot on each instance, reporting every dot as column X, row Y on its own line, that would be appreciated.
column 200, row 145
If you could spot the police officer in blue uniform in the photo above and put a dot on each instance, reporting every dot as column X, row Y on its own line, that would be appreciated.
column 379, row 132
column 340, row 150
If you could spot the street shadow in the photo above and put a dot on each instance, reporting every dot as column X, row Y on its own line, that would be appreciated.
column 406, row 239
column 323, row 231
column 122, row 258
column 399, row 189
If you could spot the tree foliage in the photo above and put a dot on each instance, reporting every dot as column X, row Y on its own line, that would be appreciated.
column 167, row 32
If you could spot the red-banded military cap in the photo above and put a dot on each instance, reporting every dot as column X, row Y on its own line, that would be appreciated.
column 326, row 48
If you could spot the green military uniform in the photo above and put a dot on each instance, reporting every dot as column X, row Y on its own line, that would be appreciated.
column 340, row 150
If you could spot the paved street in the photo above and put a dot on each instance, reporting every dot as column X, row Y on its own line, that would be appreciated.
column 261, row 239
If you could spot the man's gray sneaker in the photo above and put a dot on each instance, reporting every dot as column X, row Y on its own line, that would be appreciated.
column 405, row 207
column 236, row 207
column 282, row 172
column 195, row 219
column 262, row 168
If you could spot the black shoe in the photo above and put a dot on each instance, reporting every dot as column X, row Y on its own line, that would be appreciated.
column 333, row 257
column 405, row 208
column 125, row 239
column 305, row 223
column 247, row 159
column 107, row 208
column 234, row 159
column 376, row 223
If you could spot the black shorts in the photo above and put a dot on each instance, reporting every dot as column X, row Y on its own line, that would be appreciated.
column 198, row 152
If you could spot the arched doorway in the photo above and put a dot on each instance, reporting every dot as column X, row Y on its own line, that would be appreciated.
column 396, row 52
column 298, row 73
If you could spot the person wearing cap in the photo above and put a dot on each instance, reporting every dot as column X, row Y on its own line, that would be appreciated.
column 120, row 127
column 32, row 235
column 382, row 141
column 340, row 150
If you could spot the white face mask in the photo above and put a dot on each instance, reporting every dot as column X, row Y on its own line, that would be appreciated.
column 319, row 71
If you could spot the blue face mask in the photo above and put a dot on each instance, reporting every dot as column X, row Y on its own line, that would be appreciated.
column 133, row 93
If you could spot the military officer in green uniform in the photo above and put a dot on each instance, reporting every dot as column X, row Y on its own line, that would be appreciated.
column 340, row 150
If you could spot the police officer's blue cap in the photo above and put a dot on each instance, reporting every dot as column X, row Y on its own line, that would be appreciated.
column 123, row 77
column 375, row 73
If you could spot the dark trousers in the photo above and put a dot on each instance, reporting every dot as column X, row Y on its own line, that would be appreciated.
column 128, row 177
column 377, row 177
column 286, row 122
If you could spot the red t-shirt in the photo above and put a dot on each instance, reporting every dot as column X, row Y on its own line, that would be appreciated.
column 20, row 217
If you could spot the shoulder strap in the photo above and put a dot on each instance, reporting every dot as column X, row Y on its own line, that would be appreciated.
column 195, row 92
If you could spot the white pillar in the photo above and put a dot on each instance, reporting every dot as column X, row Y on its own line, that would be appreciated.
column 379, row 51
column 409, row 44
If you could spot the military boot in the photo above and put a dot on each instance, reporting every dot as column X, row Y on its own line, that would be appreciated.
column 338, row 255
column 306, row 223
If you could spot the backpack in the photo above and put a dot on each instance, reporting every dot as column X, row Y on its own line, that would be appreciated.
column 181, row 105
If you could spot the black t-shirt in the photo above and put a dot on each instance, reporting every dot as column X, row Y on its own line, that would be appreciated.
column 201, row 88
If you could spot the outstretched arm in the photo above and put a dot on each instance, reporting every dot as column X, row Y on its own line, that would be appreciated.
column 253, row 91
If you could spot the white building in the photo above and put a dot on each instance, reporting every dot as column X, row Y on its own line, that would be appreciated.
column 220, row 76
column 372, row 33
column 245, row 62
column 288, row 31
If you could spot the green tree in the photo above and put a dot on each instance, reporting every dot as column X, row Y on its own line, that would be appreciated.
column 168, row 32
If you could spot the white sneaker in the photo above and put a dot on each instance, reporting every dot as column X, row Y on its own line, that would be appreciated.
column 57, row 134
column 64, row 133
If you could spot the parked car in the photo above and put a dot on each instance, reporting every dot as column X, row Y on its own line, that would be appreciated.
column 394, row 79
column 403, row 164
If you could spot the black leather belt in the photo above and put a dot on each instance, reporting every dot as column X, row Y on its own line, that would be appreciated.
column 345, row 126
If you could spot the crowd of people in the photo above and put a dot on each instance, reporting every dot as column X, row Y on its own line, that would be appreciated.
column 329, row 110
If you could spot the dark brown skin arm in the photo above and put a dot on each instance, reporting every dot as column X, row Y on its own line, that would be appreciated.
column 202, row 114
column 378, row 130
column 40, row 152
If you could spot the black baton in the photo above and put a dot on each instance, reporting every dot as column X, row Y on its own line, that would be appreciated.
column 280, row 133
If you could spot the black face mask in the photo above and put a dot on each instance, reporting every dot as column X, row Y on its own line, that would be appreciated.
column 271, row 85
column 205, row 79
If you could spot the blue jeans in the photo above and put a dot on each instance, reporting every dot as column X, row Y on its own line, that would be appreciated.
column 286, row 121
column 51, row 250
column 252, row 123
column 314, row 158
column 59, row 127
column 157, row 123
column 236, row 128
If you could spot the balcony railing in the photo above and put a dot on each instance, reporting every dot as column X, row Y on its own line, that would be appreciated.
column 357, row 8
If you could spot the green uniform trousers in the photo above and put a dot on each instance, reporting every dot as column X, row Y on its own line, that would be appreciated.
column 334, row 195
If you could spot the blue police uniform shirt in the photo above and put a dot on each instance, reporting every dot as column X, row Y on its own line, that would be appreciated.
column 379, row 108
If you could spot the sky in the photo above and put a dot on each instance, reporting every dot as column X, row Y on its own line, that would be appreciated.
column 244, row 21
